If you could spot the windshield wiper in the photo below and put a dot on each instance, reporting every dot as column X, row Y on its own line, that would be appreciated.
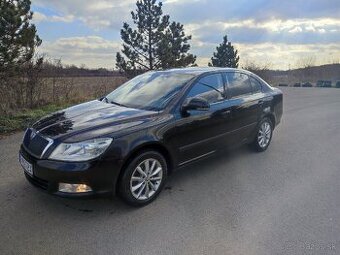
column 112, row 102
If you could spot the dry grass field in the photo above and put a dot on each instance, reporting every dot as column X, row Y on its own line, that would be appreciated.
column 55, row 93
column 75, row 89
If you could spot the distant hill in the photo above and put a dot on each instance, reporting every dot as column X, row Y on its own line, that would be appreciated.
column 311, row 74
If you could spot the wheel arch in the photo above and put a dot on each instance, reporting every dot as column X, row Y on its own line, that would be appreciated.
column 271, row 117
column 156, row 146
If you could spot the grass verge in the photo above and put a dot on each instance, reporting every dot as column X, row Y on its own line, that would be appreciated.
column 24, row 118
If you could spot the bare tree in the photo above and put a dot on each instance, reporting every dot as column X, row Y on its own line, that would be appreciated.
column 53, row 71
column 305, row 65
column 262, row 70
column 305, row 62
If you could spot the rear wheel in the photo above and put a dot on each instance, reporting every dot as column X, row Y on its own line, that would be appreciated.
column 263, row 135
column 143, row 178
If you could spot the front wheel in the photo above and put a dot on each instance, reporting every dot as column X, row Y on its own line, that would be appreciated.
column 143, row 178
column 263, row 135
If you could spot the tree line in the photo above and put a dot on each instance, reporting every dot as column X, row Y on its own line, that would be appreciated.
column 152, row 42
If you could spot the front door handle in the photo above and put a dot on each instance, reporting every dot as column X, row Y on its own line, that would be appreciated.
column 225, row 114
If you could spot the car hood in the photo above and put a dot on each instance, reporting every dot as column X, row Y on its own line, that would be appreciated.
column 94, row 118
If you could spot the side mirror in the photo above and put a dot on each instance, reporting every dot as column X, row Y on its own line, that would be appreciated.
column 195, row 103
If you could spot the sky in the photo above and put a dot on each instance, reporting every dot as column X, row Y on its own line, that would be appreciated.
column 281, row 34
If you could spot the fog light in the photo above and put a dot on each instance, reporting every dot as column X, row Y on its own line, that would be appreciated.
column 74, row 188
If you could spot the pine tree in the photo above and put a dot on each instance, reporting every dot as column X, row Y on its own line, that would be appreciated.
column 225, row 55
column 154, row 43
column 19, row 66
column 173, row 48
column 140, row 44
column 18, row 37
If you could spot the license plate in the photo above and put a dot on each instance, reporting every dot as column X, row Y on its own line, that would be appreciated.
column 26, row 165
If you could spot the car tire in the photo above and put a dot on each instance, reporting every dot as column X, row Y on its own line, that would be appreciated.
column 143, row 178
column 264, row 134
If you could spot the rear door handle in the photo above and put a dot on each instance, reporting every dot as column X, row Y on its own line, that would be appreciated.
column 226, row 114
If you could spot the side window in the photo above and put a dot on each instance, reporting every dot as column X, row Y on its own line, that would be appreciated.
column 256, row 85
column 209, row 87
column 238, row 84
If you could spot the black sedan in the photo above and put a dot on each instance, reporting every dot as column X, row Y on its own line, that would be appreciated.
column 129, row 141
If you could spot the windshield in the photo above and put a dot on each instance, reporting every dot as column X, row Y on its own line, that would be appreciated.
column 149, row 91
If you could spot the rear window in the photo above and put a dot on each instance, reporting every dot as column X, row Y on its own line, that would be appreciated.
column 256, row 85
column 238, row 84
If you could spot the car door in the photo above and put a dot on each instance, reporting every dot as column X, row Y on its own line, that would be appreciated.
column 263, row 100
column 244, row 105
column 200, row 133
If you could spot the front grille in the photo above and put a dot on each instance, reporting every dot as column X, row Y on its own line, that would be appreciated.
column 40, row 183
column 26, row 154
column 35, row 144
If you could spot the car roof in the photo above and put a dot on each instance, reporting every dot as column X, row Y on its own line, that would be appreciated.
column 200, row 70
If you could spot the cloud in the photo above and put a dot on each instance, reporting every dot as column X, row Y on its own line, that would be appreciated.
column 274, row 14
column 40, row 17
column 97, row 14
column 279, row 55
column 94, row 51
column 218, row 10
column 207, row 35
column 281, row 31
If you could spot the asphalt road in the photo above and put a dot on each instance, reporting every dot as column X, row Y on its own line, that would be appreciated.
column 283, row 201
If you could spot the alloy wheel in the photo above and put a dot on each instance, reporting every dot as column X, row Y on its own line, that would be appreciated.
column 264, row 134
column 146, row 179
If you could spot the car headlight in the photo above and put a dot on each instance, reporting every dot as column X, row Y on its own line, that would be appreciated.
column 81, row 151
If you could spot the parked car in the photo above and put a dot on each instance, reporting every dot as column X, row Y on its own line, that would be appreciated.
column 298, row 84
column 319, row 83
column 327, row 84
column 307, row 84
column 337, row 84
column 283, row 85
column 129, row 141
column 324, row 84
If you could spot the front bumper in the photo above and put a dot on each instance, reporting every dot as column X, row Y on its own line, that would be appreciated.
column 100, row 174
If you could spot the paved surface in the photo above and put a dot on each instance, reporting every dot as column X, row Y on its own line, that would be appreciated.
column 283, row 201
